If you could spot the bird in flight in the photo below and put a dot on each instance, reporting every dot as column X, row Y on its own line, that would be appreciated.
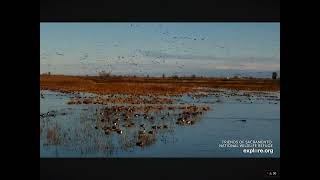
column 59, row 54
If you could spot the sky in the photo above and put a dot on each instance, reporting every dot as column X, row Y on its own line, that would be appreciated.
column 203, row 49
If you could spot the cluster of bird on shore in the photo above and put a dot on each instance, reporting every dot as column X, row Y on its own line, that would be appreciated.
column 52, row 113
column 113, row 99
column 237, row 95
column 48, row 114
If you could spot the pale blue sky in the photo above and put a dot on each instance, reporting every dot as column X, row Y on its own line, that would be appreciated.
column 156, row 48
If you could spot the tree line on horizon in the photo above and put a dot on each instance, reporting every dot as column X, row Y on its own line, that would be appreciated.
column 104, row 74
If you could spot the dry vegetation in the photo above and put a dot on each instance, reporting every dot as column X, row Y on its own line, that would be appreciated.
column 152, row 85
column 53, row 135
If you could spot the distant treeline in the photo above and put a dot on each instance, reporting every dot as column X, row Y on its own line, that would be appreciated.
column 108, row 74
column 104, row 74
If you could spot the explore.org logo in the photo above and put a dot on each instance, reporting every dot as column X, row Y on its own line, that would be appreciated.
column 261, row 151
column 248, row 146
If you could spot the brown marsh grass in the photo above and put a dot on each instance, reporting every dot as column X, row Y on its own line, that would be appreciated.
column 53, row 135
column 145, row 86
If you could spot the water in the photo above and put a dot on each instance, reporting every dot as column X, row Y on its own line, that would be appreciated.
column 75, row 126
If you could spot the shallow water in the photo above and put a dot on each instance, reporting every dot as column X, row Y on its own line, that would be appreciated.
column 77, row 136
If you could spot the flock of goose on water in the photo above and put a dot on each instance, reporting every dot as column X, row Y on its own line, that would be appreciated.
column 146, row 119
column 150, row 114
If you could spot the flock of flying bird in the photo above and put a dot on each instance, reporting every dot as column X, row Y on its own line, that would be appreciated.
column 101, row 62
column 106, row 63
